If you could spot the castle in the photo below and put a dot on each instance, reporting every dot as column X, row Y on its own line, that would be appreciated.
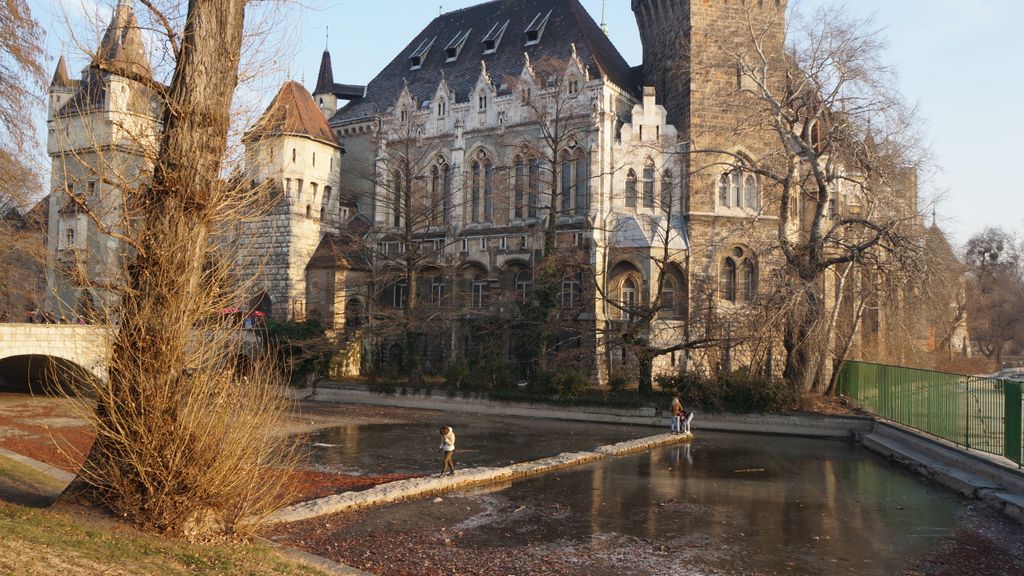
column 500, row 135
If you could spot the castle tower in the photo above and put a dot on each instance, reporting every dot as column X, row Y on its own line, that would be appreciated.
column 100, row 131
column 293, row 147
column 689, row 48
column 62, row 88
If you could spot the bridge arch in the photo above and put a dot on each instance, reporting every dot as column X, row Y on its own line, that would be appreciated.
column 32, row 353
column 38, row 374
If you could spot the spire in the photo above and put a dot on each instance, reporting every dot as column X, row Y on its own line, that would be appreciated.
column 325, row 78
column 604, row 23
column 60, row 75
column 121, row 51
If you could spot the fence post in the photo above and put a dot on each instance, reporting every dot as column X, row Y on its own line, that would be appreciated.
column 1012, row 437
column 967, row 415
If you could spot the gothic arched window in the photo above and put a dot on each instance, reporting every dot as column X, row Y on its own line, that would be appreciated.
column 667, row 298
column 727, row 280
column 750, row 191
column 396, row 200
column 440, row 188
column 482, row 192
column 582, row 200
column 723, row 190
column 631, row 189
column 437, row 289
column 738, row 277
column 572, row 293
column 519, row 192
column 523, row 285
column 649, row 183
column 667, row 194
column 735, row 189
column 628, row 297
column 745, row 281
column 534, row 188
column 568, row 187
column 479, row 291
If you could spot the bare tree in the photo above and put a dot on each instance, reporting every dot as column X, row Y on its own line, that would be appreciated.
column 415, row 195
column 840, row 165
column 185, row 439
column 556, row 174
column 995, row 315
column 21, row 79
column 656, row 323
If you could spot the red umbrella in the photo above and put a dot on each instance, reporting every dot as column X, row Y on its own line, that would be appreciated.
column 229, row 311
column 257, row 314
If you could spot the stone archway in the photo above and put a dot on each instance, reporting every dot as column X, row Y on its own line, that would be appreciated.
column 41, row 374
column 262, row 302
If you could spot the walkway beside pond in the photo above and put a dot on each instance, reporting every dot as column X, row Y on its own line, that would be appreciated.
column 414, row 487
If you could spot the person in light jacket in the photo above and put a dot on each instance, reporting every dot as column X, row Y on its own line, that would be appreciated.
column 676, row 410
column 448, row 447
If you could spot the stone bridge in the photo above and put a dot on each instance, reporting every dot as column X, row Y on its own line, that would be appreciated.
column 29, row 352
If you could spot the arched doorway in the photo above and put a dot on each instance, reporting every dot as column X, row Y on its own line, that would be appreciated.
column 262, row 302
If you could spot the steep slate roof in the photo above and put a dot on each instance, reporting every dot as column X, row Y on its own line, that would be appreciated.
column 60, row 75
column 293, row 112
column 325, row 82
column 939, row 251
column 121, row 51
column 568, row 24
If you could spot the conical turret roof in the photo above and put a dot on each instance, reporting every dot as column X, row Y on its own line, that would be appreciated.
column 325, row 79
column 293, row 112
column 122, row 52
column 60, row 75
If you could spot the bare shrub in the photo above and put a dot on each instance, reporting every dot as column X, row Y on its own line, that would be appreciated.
column 187, row 421
column 205, row 457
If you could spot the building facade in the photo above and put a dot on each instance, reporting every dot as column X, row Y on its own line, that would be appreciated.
column 508, row 147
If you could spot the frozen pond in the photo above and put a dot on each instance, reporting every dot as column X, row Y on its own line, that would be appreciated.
column 728, row 504
column 412, row 447
column 739, row 503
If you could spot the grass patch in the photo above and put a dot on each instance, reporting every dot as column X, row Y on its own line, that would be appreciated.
column 39, row 541
column 14, row 472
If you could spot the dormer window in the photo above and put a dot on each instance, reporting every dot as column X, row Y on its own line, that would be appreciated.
column 442, row 108
column 574, row 86
column 493, row 38
column 451, row 51
column 482, row 100
column 536, row 28
column 420, row 53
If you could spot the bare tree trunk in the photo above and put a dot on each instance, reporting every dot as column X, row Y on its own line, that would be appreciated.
column 803, row 338
column 413, row 331
column 158, row 313
column 645, row 367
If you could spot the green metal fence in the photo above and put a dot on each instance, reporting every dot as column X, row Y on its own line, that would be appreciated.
column 972, row 411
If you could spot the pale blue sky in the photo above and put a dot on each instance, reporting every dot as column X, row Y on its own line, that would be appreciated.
column 960, row 60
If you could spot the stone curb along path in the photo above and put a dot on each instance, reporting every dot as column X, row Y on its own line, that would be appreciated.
column 414, row 487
